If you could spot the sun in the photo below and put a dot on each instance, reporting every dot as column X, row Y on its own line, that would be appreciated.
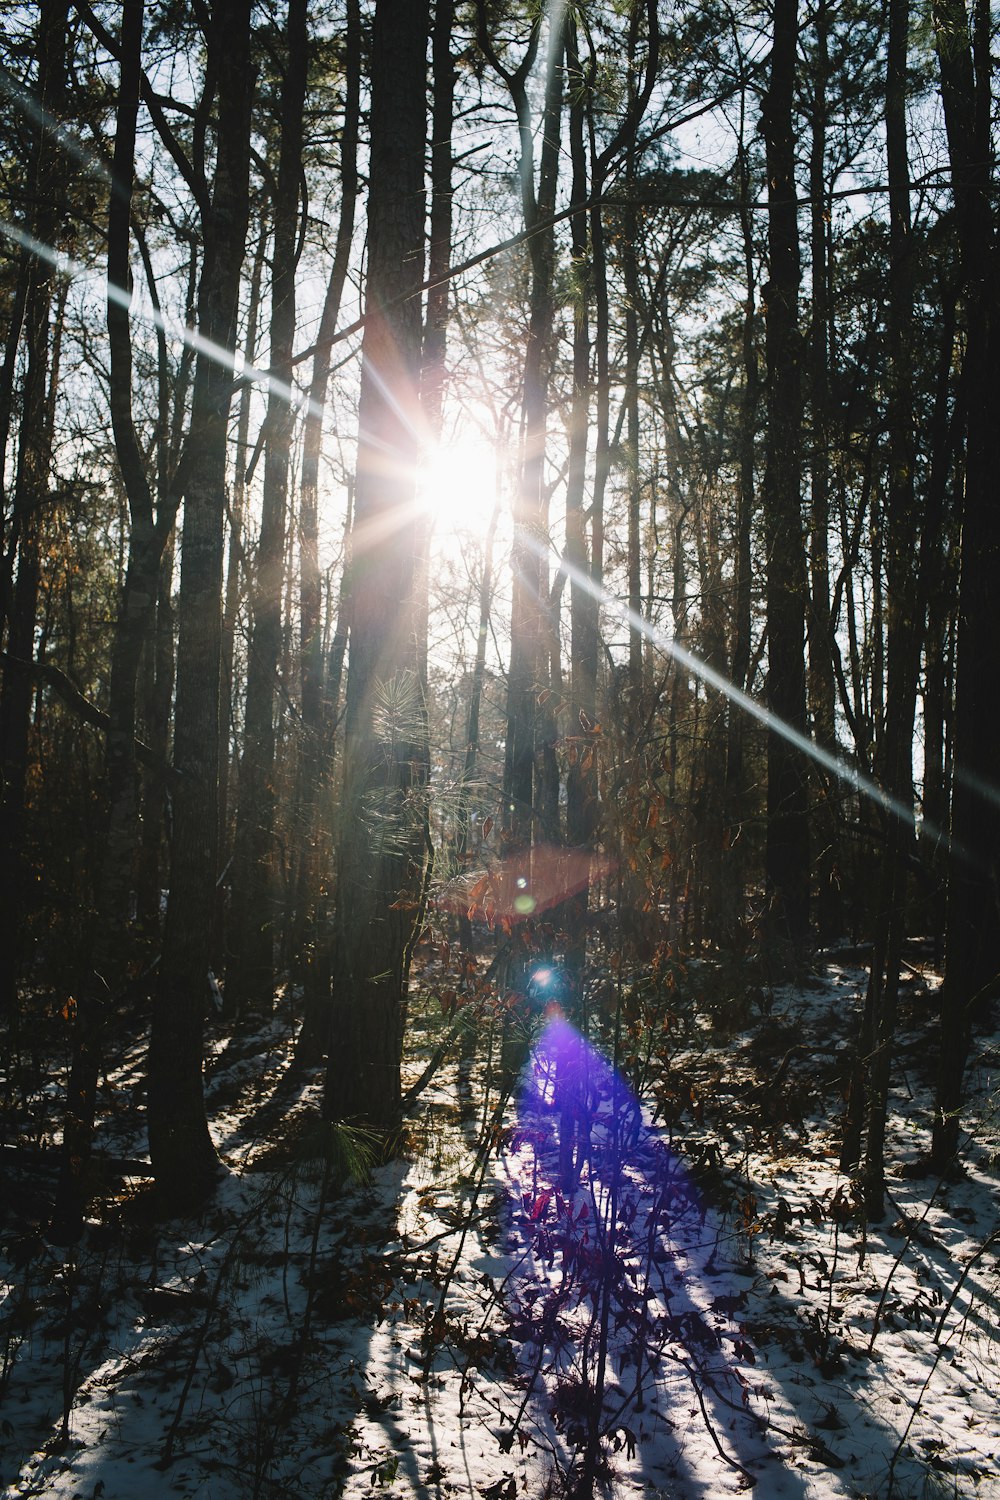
column 458, row 486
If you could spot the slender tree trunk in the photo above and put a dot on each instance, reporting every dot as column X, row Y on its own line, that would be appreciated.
column 158, row 696
column 183, row 1156
column 973, row 920
column 821, row 695
column 250, row 967
column 235, row 581
column 471, row 760
column 940, row 594
column 107, row 964
column 733, row 897
column 787, row 859
column 904, row 628
column 382, row 843
column 12, row 343
column 527, row 790
column 312, row 946
column 581, row 776
column 31, row 482
column 634, row 543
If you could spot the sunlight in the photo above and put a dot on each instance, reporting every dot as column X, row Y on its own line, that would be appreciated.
column 850, row 775
column 457, row 486
column 615, row 1304
column 175, row 328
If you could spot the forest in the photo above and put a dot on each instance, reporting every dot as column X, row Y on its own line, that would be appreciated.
column 499, row 707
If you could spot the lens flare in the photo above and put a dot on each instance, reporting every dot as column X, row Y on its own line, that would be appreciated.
column 614, row 1304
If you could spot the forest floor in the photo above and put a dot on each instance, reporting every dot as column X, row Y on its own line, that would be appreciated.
column 461, row 1322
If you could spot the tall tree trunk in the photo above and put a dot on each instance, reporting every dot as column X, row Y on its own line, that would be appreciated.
column 107, row 962
column 941, row 594
column 732, row 899
column 250, row 968
column 183, row 1156
column 381, row 853
column 8, row 382
column 434, row 374
column 470, row 765
column 31, row 482
column 581, row 776
column 157, row 696
column 527, row 789
column 904, row 627
column 787, row 858
column 235, row 580
column 973, row 920
column 316, row 852
column 821, row 695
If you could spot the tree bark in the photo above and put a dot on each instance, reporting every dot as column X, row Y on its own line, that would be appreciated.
column 250, row 968
column 183, row 1157
column 973, row 920
column 381, row 850
column 31, row 482
column 903, row 606
column 787, row 857
column 821, row 690
column 315, row 874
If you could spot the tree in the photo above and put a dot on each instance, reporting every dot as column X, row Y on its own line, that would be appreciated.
column 788, row 863
column 381, row 853
column 316, row 754
column 904, row 629
column 149, row 530
column 973, row 919
column 31, row 310
column 250, row 969
column 528, row 790
column 183, row 1157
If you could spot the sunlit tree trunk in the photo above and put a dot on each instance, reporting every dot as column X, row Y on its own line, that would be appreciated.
column 15, row 309
column 252, row 922
column 316, row 757
column 527, row 788
column 235, row 588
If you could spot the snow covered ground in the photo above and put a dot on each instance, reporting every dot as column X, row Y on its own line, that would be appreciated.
column 517, row 1297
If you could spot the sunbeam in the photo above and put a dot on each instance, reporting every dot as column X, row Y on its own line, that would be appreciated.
column 66, row 265
column 76, row 271
column 29, row 106
column 848, row 774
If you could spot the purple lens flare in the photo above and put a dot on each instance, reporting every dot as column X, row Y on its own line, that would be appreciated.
column 614, row 1302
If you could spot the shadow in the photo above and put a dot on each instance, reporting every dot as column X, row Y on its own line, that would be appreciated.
column 224, row 1354
column 624, row 1310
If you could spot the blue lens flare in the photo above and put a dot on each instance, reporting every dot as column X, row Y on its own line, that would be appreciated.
column 619, row 1296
